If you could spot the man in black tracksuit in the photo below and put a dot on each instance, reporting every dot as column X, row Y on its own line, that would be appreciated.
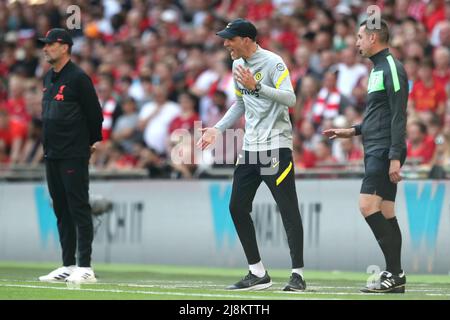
column 72, row 120
column 383, row 132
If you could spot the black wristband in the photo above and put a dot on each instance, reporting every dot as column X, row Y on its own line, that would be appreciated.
column 357, row 128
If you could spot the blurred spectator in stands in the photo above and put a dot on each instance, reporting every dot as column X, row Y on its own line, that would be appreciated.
column 189, row 113
column 434, row 13
column 155, row 118
column 123, row 87
column 427, row 96
column 303, row 157
column 144, row 86
column 441, row 72
column 13, row 133
column 434, row 126
column 420, row 145
column 15, row 103
column 27, row 59
column 440, row 35
column 306, row 97
column 327, row 61
column 216, row 77
column 118, row 158
column 349, row 71
column 359, row 94
column 330, row 101
column 351, row 151
column 32, row 96
column 441, row 157
column 32, row 152
column 216, row 110
column 310, row 138
column 229, row 143
column 412, row 70
column 301, row 67
column 353, row 115
column 88, row 66
column 109, row 104
column 342, row 30
column 414, row 50
column 125, row 133
column 322, row 56
column 182, row 160
column 162, row 75
column 324, row 157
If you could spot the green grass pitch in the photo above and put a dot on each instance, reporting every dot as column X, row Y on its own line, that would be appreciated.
column 122, row 282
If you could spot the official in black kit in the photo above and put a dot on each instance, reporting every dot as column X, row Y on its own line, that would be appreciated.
column 383, row 131
column 72, row 119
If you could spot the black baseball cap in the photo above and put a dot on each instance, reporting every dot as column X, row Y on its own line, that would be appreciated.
column 57, row 35
column 238, row 28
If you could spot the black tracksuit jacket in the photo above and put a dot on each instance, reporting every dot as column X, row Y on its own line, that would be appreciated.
column 384, row 123
column 71, row 114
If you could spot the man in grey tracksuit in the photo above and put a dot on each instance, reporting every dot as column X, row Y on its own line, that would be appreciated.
column 383, row 132
column 263, row 94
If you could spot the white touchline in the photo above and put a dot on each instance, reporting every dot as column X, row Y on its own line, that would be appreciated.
column 187, row 285
column 150, row 292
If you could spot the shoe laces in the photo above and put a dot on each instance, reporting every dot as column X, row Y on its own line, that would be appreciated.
column 249, row 276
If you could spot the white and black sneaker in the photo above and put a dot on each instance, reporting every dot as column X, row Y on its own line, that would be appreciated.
column 82, row 275
column 296, row 283
column 388, row 283
column 60, row 274
column 252, row 282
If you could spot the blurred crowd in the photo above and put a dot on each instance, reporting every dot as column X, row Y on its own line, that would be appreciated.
column 161, row 73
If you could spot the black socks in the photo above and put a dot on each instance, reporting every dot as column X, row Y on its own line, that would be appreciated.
column 387, row 233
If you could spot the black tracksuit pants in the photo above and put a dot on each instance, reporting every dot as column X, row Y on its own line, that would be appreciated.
column 276, row 169
column 68, row 184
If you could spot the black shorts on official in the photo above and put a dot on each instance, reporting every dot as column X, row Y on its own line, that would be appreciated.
column 376, row 178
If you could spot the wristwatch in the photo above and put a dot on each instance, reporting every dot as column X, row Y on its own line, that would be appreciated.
column 257, row 86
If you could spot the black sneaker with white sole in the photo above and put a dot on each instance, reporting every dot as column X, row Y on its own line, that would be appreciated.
column 296, row 283
column 388, row 283
column 252, row 282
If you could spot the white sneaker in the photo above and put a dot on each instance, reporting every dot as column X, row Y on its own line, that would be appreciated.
column 82, row 275
column 59, row 274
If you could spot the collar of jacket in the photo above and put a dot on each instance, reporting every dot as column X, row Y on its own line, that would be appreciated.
column 254, row 56
column 379, row 56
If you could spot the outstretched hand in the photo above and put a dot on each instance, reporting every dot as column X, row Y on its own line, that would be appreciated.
column 339, row 133
column 209, row 136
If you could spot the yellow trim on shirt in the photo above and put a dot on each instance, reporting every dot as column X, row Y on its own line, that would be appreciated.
column 283, row 75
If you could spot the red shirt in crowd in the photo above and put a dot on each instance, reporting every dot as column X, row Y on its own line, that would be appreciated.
column 16, row 129
column 183, row 123
column 17, row 109
column 424, row 151
column 437, row 15
column 259, row 11
column 305, row 159
column 354, row 154
column 427, row 98
column 442, row 79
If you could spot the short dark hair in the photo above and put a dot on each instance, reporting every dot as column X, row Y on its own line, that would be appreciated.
column 427, row 63
column 382, row 31
column 422, row 126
